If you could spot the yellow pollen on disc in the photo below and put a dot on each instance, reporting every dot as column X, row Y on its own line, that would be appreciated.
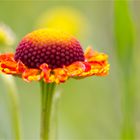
column 49, row 36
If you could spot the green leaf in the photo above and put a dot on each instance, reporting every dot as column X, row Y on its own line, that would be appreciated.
column 124, row 31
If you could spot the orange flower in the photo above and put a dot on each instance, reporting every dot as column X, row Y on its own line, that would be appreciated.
column 53, row 56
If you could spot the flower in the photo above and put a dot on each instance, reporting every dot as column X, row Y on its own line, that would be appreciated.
column 53, row 56
column 7, row 36
column 66, row 19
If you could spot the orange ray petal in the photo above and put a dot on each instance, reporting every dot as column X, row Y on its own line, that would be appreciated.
column 9, row 66
column 91, row 55
column 60, row 75
column 97, row 61
column 7, row 57
column 46, row 73
column 31, row 75
column 20, row 67
column 75, row 69
column 97, row 69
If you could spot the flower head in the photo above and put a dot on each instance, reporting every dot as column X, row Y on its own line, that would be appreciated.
column 65, row 18
column 54, row 56
column 7, row 37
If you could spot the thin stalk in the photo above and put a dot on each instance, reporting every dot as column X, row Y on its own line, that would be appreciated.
column 128, row 128
column 55, row 110
column 46, row 109
column 15, row 110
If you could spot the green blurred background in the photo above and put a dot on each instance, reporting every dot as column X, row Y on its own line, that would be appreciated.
column 90, row 108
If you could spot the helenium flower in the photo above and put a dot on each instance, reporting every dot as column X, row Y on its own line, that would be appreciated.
column 53, row 56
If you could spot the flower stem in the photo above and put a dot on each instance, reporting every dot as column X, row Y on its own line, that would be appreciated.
column 55, row 110
column 46, row 109
column 128, row 129
column 15, row 111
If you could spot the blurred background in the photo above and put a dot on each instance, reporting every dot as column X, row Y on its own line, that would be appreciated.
column 91, row 108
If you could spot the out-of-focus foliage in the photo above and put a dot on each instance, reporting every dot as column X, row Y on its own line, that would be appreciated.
column 125, row 41
column 7, row 36
column 124, row 30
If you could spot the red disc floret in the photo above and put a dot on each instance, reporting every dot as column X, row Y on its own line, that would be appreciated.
column 36, row 49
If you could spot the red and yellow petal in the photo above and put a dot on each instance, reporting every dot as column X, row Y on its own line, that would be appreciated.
column 95, row 56
column 60, row 75
column 75, row 69
column 57, row 75
column 32, row 75
column 96, row 69
column 98, row 63
column 46, row 73
column 95, row 64
column 7, row 57
column 7, row 64
column 20, row 68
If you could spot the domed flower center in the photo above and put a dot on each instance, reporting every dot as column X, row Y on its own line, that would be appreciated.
column 53, row 47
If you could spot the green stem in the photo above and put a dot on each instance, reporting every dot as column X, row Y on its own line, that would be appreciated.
column 55, row 110
column 46, row 109
column 128, row 129
column 15, row 111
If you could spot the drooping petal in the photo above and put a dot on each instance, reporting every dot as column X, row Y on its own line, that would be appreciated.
column 75, row 69
column 8, row 67
column 88, row 53
column 97, row 61
column 7, row 64
column 97, row 69
column 7, row 57
column 60, row 75
column 95, row 56
column 46, row 73
column 31, row 75
column 20, row 67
